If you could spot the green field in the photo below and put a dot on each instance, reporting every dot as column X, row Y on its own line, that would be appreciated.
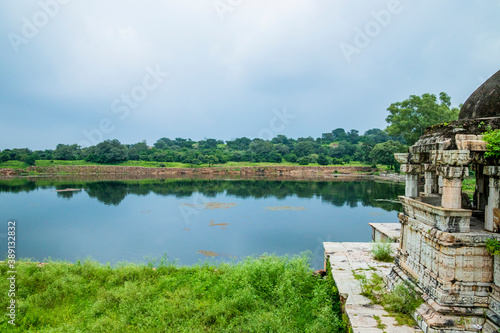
column 265, row 294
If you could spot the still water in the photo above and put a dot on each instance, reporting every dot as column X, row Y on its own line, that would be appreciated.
column 189, row 220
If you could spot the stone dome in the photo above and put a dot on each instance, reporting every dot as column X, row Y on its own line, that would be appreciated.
column 485, row 101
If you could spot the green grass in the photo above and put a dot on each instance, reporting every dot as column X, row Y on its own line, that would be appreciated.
column 382, row 251
column 47, row 163
column 469, row 186
column 13, row 165
column 265, row 294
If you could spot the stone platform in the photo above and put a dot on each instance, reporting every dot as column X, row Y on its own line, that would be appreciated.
column 347, row 259
column 385, row 232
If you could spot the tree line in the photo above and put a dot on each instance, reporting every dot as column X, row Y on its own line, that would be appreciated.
column 407, row 122
column 335, row 147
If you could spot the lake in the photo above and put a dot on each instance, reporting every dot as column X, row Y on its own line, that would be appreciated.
column 190, row 220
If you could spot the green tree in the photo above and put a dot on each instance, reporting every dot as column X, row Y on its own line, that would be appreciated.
column 304, row 148
column 353, row 136
column 322, row 160
column 30, row 160
column 383, row 153
column 411, row 117
column 210, row 159
column 67, row 152
column 109, row 151
column 339, row 134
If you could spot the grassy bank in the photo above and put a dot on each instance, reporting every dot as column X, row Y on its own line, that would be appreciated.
column 266, row 294
column 47, row 163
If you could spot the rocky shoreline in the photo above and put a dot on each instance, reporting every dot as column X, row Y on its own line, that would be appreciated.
column 271, row 172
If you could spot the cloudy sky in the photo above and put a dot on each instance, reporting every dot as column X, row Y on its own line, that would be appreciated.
column 74, row 71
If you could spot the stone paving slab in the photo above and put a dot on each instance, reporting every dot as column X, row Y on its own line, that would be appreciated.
column 391, row 231
column 347, row 259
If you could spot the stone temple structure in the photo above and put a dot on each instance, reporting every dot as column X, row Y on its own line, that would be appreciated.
column 442, row 249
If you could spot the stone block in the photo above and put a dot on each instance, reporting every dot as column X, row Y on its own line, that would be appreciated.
column 470, row 142
column 450, row 157
column 444, row 219
column 452, row 172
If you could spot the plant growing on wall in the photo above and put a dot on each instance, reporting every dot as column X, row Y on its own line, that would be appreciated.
column 492, row 139
column 493, row 246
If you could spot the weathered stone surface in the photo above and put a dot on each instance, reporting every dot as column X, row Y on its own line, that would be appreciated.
column 484, row 101
column 492, row 170
column 346, row 259
column 493, row 204
column 444, row 219
column 402, row 158
column 450, row 157
column 452, row 193
column 411, row 168
column 431, row 142
column 452, row 172
column 470, row 142
column 385, row 232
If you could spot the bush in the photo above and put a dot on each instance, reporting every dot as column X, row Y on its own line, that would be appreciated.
column 382, row 251
column 303, row 161
column 337, row 161
column 402, row 299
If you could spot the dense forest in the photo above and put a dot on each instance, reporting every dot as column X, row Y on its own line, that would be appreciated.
column 407, row 121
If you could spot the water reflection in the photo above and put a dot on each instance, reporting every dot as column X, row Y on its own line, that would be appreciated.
column 339, row 193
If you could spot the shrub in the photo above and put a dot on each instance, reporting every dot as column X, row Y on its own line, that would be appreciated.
column 303, row 161
column 265, row 294
column 400, row 302
column 402, row 299
column 382, row 251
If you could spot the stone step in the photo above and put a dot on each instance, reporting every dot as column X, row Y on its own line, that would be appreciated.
column 346, row 259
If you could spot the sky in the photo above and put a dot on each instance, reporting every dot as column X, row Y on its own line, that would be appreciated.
column 75, row 71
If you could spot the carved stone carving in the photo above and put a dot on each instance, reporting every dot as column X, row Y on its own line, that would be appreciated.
column 444, row 219
column 411, row 168
column 452, row 172
column 450, row 157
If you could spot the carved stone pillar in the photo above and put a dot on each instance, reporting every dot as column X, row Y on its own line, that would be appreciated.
column 452, row 185
column 452, row 193
column 493, row 202
column 431, row 181
column 412, row 174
